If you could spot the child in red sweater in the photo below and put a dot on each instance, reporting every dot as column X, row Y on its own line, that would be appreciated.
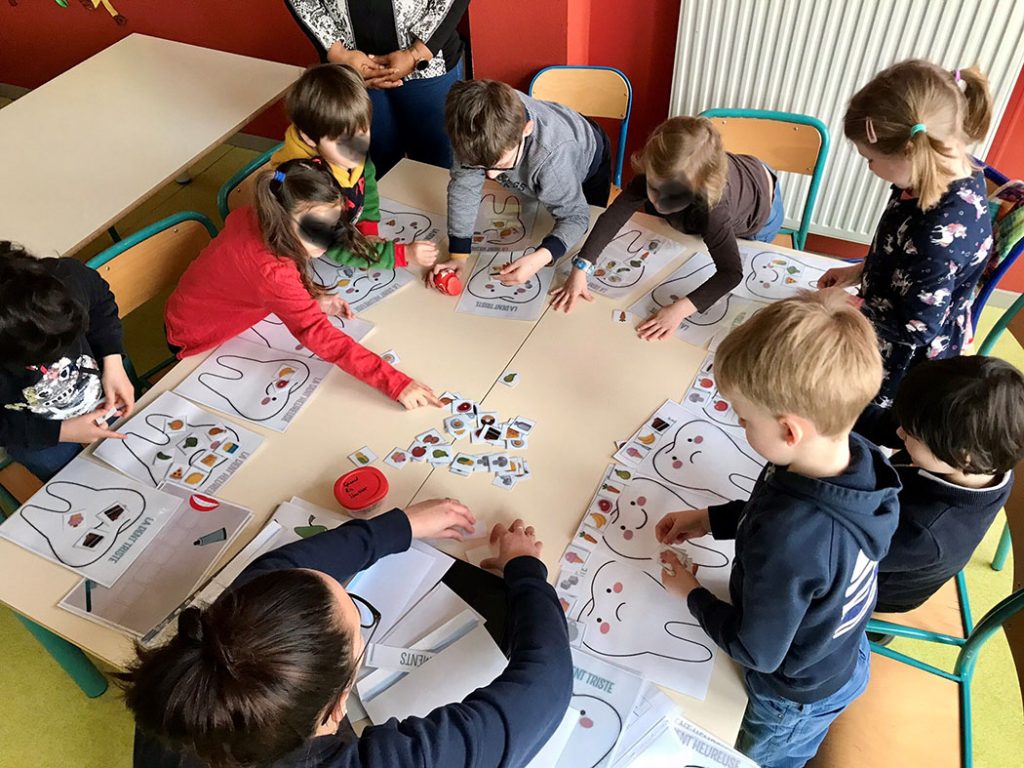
column 261, row 264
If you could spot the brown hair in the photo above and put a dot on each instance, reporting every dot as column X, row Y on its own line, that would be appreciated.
column 814, row 355
column 690, row 147
column 968, row 410
column 329, row 101
column 883, row 113
column 484, row 119
column 284, row 193
column 249, row 678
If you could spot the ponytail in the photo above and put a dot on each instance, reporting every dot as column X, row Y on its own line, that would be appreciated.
column 978, row 115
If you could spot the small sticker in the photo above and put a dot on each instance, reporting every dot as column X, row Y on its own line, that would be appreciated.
column 391, row 357
column 397, row 458
column 510, row 379
column 362, row 457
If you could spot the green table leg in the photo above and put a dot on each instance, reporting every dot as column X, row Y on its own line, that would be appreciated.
column 71, row 659
column 1002, row 551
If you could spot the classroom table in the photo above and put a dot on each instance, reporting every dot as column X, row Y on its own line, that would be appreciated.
column 88, row 146
column 586, row 381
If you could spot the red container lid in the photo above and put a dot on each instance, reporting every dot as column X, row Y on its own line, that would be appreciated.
column 447, row 281
column 361, row 488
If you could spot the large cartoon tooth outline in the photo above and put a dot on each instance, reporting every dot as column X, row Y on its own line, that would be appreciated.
column 274, row 395
column 765, row 275
column 663, row 297
column 608, row 578
column 40, row 518
column 407, row 226
column 351, row 284
column 132, row 439
column 506, row 236
column 605, row 263
column 742, row 481
column 483, row 286
column 585, row 731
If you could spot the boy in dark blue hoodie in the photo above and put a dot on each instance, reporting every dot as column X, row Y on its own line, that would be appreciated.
column 809, row 539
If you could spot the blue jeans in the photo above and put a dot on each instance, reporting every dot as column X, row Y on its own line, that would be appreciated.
column 775, row 216
column 780, row 733
column 45, row 462
column 409, row 120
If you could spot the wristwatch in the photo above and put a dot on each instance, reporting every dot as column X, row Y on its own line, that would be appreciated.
column 419, row 63
column 582, row 264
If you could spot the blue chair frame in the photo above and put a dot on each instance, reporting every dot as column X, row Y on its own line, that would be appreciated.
column 239, row 177
column 799, row 235
column 992, row 283
column 624, row 126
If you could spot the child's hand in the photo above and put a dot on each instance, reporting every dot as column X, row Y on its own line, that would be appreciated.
column 458, row 265
column 85, row 430
column 677, row 527
column 575, row 287
column 416, row 395
column 666, row 321
column 841, row 277
column 516, row 540
column 334, row 306
column 522, row 269
column 679, row 581
column 440, row 519
column 117, row 387
column 423, row 252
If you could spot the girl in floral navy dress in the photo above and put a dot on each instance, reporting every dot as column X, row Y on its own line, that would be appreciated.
column 912, row 123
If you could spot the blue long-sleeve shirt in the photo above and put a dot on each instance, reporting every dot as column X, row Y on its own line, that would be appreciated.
column 500, row 725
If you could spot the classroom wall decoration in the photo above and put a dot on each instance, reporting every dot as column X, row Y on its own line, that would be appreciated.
column 91, row 520
column 404, row 224
column 360, row 287
column 262, row 385
column 505, row 220
column 90, row 5
column 174, row 440
column 486, row 295
column 274, row 334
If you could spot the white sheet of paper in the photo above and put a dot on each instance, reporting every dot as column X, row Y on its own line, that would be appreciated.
column 404, row 223
column 652, row 708
column 303, row 520
column 471, row 662
column 505, row 220
column 261, row 385
column 659, row 748
column 711, row 752
column 634, row 257
column 440, row 605
column 171, row 432
column 604, row 695
column 91, row 520
column 360, row 287
column 273, row 333
column 553, row 748
column 772, row 275
column 487, row 296
column 195, row 535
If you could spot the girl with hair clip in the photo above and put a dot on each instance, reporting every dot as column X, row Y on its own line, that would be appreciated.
column 686, row 177
column 261, row 264
column 912, row 123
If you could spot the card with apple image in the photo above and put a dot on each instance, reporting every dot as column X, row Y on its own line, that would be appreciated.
column 397, row 458
column 418, row 451
column 464, row 407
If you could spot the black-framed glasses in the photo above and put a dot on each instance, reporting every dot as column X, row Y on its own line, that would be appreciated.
column 369, row 625
column 515, row 161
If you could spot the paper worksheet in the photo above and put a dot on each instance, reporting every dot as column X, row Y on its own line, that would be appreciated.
column 272, row 332
column 505, row 220
column 404, row 223
column 553, row 748
column 487, row 296
column 772, row 275
column 635, row 256
column 361, row 287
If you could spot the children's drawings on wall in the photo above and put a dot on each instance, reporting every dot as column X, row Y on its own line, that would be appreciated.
column 360, row 287
column 486, row 295
column 773, row 275
column 604, row 695
column 173, row 440
column 262, row 385
column 634, row 255
column 91, row 520
column 196, row 533
column 273, row 333
column 505, row 220
column 404, row 224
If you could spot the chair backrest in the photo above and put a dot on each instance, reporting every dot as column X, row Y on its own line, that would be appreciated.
column 1007, row 212
column 591, row 91
column 147, row 263
column 786, row 141
column 238, row 191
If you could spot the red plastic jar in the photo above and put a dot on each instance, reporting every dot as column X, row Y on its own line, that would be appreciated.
column 447, row 281
column 361, row 491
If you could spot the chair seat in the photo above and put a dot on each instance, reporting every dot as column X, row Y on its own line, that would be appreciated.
column 785, row 239
column 940, row 614
column 906, row 717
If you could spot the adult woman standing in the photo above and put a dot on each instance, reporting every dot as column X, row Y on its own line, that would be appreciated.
column 409, row 53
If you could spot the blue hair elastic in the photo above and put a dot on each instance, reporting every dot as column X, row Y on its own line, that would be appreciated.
column 279, row 175
column 917, row 128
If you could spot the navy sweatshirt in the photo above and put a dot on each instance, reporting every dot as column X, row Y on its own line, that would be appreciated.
column 500, row 725
column 34, row 400
column 803, row 580
column 940, row 526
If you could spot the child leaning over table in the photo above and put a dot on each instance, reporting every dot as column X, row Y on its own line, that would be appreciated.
column 809, row 539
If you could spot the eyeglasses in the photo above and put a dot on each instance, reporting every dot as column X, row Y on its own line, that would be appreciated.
column 515, row 162
column 370, row 625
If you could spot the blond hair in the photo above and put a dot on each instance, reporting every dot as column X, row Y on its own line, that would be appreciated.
column 953, row 108
column 690, row 147
column 814, row 356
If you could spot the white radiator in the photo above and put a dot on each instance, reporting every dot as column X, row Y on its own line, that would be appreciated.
column 811, row 56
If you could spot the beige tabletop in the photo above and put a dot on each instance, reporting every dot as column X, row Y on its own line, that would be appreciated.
column 89, row 145
column 586, row 381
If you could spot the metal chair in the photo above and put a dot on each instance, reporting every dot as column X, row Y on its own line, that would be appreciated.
column 1007, row 213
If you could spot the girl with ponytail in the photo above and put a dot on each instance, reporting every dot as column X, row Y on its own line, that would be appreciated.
column 913, row 123
column 261, row 264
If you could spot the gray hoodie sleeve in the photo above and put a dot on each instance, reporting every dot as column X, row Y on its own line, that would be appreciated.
column 559, row 190
column 464, row 188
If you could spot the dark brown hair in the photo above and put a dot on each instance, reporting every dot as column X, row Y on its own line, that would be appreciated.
column 968, row 410
column 248, row 679
column 485, row 119
column 329, row 101
column 919, row 92
column 306, row 182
